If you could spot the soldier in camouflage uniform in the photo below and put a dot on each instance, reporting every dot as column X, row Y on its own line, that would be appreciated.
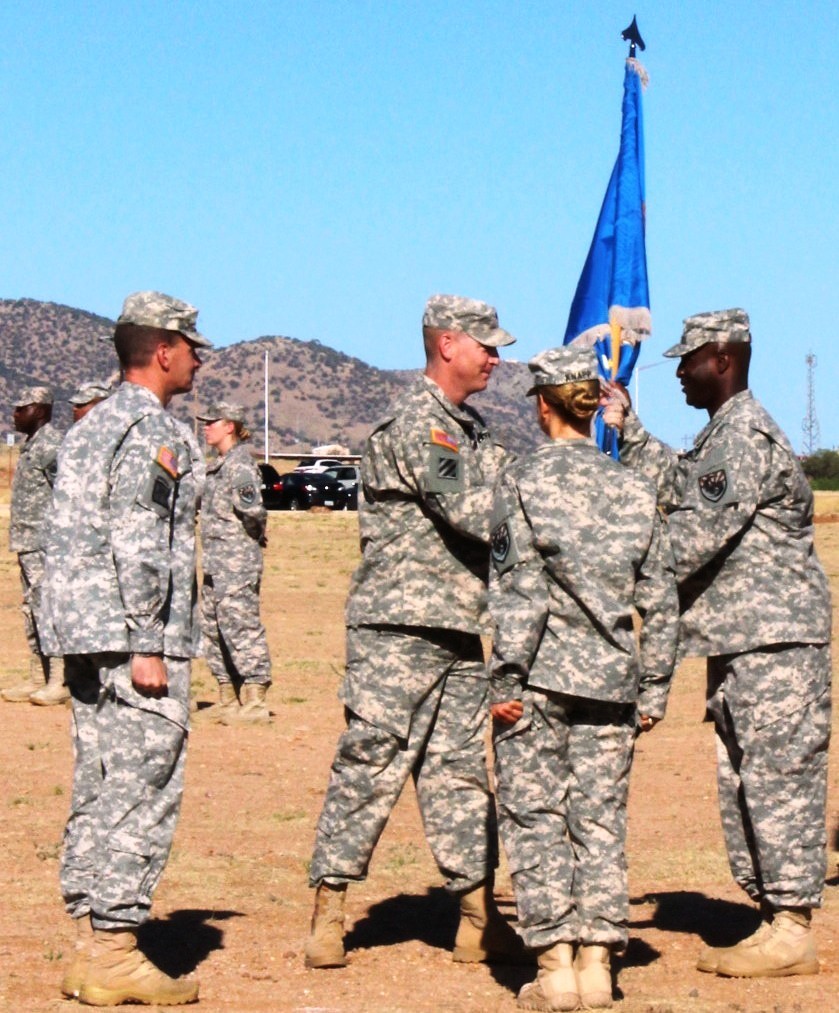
column 415, row 691
column 122, row 597
column 233, row 521
column 87, row 396
column 28, row 519
column 755, row 601
column 577, row 548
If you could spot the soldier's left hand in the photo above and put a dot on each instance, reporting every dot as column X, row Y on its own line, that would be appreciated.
column 508, row 712
column 148, row 675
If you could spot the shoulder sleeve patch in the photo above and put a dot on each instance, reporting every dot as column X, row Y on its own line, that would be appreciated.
column 503, row 547
column 247, row 494
column 445, row 470
column 715, row 479
column 442, row 439
column 168, row 460
column 158, row 492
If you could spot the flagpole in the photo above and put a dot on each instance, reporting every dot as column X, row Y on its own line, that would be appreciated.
column 266, row 406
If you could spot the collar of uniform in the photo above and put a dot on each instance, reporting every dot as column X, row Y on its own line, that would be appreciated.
column 139, row 391
column 462, row 414
column 722, row 414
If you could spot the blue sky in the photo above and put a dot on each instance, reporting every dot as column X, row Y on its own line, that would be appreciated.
column 317, row 169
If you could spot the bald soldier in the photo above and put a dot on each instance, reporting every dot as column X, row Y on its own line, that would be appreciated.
column 415, row 691
column 30, row 508
column 122, row 602
column 755, row 601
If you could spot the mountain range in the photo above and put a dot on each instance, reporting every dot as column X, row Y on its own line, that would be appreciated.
column 316, row 395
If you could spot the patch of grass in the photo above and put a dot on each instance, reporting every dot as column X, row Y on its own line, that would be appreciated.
column 402, row 857
column 289, row 817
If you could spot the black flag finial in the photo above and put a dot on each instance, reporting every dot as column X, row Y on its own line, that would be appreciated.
column 633, row 37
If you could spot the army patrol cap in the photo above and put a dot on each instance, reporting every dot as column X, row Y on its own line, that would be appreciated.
column 227, row 410
column 720, row 326
column 557, row 366
column 154, row 309
column 33, row 395
column 93, row 390
column 457, row 313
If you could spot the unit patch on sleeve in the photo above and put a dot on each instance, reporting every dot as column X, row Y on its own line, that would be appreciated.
column 713, row 485
column 503, row 548
column 247, row 494
column 445, row 470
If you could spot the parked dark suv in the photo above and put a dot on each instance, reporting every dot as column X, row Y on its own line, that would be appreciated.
column 299, row 490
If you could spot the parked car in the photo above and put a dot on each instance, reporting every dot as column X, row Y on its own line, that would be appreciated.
column 299, row 490
column 319, row 464
column 349, row 475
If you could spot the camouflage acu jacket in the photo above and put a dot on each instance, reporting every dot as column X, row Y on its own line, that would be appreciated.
column 32, row 490
column 427, row 474
column 578, row 546
column 232, row 520
column 120, row 567
column 740, row 516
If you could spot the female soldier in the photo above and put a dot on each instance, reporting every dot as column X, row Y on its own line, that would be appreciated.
column 577, row 547
column 232, row 539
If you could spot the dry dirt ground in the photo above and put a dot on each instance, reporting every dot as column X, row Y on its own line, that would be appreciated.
column 234, row 904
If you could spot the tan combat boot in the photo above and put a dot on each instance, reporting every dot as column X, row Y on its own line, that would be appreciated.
column 594, row 976
column 228, row 704
column 118, row 972
column 325, row 945
column 788, row 948
column 74, row 976
column 710, row 957
column 483, row 935
column 254, row 710
column 555, row 987
column 24, row 690
column 55, row 692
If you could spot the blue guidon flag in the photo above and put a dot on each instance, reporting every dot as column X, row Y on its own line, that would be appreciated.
column 611, row 307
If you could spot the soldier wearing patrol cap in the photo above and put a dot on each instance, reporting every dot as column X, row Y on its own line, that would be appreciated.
column 122, row 602
column 578, row 547
column 233, row 521
column 415, row 690
column 87, row 396
column 755, row 601
column 28, row 516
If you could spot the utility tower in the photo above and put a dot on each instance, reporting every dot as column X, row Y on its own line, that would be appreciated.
column 810, row 425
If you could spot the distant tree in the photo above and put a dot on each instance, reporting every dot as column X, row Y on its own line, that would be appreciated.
column 822, row 469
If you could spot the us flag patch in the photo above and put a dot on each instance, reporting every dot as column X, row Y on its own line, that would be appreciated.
column 442, row 439
column 167, row 460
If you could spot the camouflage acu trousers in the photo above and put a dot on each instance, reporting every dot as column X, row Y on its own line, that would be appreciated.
column 127, row 787
column 31, row 578
column 562, row 776
column 444, row 751
column 234, row 640
column 772, row 743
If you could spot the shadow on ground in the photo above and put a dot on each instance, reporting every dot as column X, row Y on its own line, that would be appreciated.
column 430, row 918
column 179, row 943
column 717, row 922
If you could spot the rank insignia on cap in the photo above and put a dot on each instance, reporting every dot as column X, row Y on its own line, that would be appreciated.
column 167, row 460
column 444, row 440
column 713, row 485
